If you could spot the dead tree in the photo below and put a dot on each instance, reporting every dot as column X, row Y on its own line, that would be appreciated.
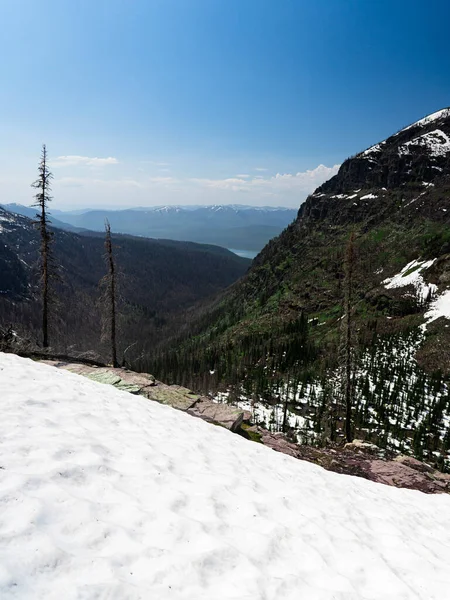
column 110, row 293
column 42, row 196
column 347, row 337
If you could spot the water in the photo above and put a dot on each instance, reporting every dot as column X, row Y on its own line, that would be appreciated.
column 244, row 253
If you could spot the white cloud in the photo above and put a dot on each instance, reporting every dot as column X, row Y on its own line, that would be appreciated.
column 301, row 183
column 162, row 180
column 90, row 181
column 260, row 169
column 156, row 163
column 140, row 189
column 83, row 161
column 243, row 175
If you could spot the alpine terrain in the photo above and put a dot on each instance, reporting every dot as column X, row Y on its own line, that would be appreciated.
column 278, row 342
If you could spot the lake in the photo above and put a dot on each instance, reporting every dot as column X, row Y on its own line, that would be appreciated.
column 244, row 253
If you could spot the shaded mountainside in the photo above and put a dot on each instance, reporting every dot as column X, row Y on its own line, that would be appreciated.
column 158, row 281
column 276, row 333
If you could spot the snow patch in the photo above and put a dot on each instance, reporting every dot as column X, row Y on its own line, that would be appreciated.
column 440, row 307
column 373, row 149
column 411, row 275
column 436, row 143
column 440, row 114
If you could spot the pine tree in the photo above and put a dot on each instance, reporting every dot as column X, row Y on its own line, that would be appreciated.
column 42, row 196
column 110, row 293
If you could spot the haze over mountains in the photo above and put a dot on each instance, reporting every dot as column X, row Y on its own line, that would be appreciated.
column 237, row 227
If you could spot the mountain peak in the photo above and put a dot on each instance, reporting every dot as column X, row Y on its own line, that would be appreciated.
column 413, row 159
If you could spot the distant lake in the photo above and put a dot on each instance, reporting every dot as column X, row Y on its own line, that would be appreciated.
column 244, row 253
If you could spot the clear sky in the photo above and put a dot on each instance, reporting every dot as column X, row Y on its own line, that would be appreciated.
column 144, row 102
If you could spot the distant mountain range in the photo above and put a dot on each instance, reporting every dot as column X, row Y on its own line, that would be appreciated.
column 231, row 226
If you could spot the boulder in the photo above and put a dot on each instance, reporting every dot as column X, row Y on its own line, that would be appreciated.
column 361, row 446
column 222, row 414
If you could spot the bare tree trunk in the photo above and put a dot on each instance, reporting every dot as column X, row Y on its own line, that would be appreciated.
column 348, row 382
column 111, row 293
column 285, row 408
column 42, row 184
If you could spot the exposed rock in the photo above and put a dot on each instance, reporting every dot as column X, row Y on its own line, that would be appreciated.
column 361, row 446
column 103, row 376
column 224, row 414
column 403, row 472
column 173, row 396
column 145, row 385
column 359, row 458
column 415, row 464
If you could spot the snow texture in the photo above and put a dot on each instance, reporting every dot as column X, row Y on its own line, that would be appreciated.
column 106, row 495
column 440, row 114
column 440, row 307
column 435, row 143
column 373, row 149
column 438, row 141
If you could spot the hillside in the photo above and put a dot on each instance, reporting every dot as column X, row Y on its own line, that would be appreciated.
column 230, row 226
column 30, row 212
column 158, row 281
column 90, row 480
column 275, row 335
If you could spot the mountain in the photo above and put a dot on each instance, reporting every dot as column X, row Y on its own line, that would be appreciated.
column 230, row 226
column 106, row 494
column 159, row 280
column 30, row 212
column 273, row 341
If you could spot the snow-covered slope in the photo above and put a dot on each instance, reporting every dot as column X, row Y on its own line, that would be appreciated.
column 105, row 495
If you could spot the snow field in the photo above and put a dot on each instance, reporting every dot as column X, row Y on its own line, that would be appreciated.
column 106, row 495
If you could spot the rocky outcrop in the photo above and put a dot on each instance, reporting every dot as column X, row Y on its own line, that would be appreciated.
column 225, row 414
column 359, row 458
column 364, row 460
column 146, row 385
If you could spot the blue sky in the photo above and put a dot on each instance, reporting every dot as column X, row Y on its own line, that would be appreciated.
column 146, row 102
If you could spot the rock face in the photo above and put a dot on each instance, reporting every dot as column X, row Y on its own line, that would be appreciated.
column 146, row 385
column 225, row 414
column 365, row 460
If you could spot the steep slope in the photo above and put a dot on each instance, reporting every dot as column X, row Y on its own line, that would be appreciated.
column 276, row 334
column 108, row 495
column 157, row 281
column 30, row 212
